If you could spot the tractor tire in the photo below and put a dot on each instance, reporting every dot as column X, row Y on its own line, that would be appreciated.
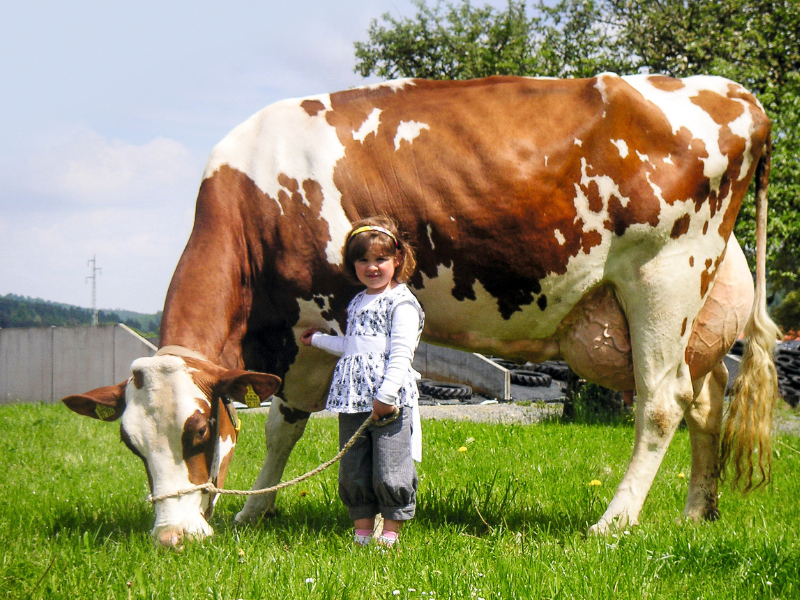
column 444, row 391
column 530, row 378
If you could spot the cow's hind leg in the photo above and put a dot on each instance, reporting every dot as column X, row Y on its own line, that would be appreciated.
column 657, row 418
column 657, row 316
column 284, row 427
column 704, row 420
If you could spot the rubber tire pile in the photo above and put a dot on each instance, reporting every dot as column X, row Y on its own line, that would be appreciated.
column 535, row 375
column 438, row 392
column 787, row 364
column 529, row 375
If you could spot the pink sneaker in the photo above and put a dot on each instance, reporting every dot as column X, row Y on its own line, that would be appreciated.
column 362, row 537
column 387, row 539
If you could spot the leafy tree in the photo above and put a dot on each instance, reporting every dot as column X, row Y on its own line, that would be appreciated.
column 461, row 42
column 755, row 42
column 787, row 315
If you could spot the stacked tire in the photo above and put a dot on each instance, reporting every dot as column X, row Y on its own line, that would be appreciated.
column 787, row 363
column 557, row 369
column 439, row 390
column 535, row 375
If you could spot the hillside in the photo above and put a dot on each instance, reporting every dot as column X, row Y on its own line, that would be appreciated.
column 22, row 311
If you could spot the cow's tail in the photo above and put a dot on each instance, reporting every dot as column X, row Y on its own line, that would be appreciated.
column 749, row 419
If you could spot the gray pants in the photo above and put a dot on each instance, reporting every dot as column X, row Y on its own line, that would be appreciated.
column 378, row 475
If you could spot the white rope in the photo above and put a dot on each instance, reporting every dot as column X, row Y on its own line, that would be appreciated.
column 213, row 489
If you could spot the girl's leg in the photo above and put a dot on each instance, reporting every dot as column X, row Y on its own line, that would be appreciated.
column 394, row 475
column 355, row 478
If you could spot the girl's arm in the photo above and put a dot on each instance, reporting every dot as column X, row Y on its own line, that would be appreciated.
column 330, row 343
column 405, row 327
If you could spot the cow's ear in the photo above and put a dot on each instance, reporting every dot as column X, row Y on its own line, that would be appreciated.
column 105, row 403
column 235, row 384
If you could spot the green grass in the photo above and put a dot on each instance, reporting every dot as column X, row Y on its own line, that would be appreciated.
column 504, row 519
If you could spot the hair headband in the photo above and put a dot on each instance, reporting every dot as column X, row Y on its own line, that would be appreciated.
column 373, row 228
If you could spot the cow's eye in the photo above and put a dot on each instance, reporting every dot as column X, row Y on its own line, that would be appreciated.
column 201, row 435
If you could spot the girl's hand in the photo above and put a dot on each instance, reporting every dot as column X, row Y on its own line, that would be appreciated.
column 305, row 338
column 381, row 409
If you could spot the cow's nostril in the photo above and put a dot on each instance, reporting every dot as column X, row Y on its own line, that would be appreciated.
column 171, row 537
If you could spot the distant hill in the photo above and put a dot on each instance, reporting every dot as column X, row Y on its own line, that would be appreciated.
column 22, row 311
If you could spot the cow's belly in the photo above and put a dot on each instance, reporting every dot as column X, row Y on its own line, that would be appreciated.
column 593, row 337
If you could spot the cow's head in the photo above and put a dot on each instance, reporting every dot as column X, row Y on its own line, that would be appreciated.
column 177, row 417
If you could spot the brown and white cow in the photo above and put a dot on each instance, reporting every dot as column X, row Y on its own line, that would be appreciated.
column 585, row 219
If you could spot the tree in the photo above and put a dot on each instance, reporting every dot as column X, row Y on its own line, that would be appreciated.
column 461, row 42
column 754, row 42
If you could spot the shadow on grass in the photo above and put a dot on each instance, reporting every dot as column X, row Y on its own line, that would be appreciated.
column 477, row 509
column 294, row 517
column 116, row 522
column 482, row 507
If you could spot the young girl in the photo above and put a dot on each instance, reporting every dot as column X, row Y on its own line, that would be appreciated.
column 374, row 374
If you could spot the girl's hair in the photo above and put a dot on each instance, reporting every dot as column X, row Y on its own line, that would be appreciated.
column 356, row 246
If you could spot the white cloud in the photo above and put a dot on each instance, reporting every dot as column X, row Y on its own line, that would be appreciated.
column 83, row 168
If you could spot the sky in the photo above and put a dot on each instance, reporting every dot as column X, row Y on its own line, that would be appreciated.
column 109, row 111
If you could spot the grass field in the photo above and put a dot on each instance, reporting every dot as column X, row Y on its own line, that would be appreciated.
column 504, row 519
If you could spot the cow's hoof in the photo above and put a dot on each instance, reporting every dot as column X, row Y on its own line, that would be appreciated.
column 709, row 514
column 600, row 528
column 242, row 519
column 618, row 524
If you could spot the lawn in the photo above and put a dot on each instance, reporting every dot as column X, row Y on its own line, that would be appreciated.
column 504, row 518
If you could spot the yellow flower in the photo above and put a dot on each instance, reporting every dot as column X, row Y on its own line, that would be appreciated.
column 303, row 493
column 241, row 552
column 681, row 475
column 595, row 482
column 462, row 449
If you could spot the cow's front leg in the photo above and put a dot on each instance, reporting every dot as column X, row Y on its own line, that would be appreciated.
column 284, row 427
column 704, row 420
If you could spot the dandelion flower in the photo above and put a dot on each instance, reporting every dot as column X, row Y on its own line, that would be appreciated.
column 681, row 475
column 595, row 482
column 462, row 449
column 241, row 552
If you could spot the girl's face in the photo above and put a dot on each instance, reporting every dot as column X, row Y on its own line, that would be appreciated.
column 376, row 271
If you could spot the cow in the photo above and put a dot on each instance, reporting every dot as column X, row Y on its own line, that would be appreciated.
column 586, row 219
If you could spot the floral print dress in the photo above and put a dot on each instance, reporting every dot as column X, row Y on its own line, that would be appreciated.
column 358, row 375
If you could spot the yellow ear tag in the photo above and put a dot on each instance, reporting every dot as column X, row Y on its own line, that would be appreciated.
column 251, row 398
column 103, row 412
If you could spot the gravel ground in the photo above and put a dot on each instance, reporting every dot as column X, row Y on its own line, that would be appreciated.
column 494, row 413
column 786, row 420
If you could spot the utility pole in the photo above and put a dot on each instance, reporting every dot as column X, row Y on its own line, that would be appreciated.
column 95, row 270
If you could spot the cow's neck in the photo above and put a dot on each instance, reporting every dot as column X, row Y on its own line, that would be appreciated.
column 210, row 295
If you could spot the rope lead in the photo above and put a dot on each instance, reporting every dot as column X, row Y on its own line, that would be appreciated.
column 210, row 488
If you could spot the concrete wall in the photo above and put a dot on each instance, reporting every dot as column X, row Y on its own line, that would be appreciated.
column 46, row 364
column 453, row 366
